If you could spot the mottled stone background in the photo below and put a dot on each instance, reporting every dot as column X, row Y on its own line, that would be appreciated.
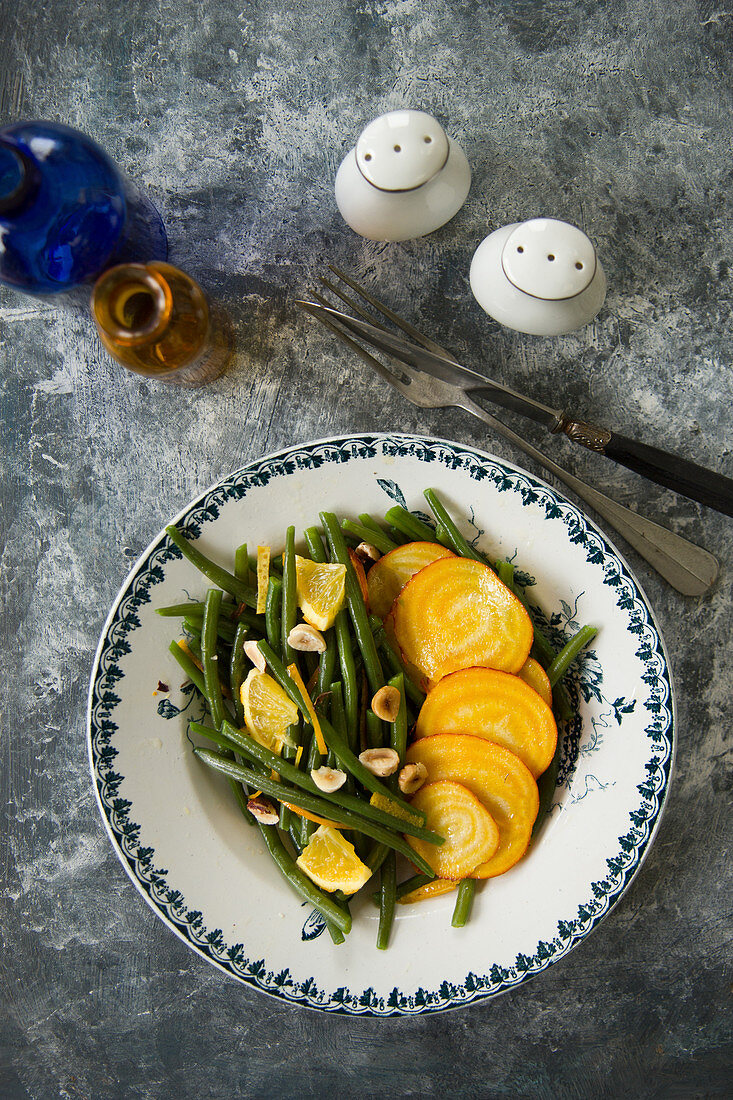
column 614, row 115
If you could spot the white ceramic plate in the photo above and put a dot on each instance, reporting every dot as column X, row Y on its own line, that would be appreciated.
column 207, row 875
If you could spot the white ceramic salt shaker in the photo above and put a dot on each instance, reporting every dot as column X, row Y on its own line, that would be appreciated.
column 540, row 276
column 405, row 178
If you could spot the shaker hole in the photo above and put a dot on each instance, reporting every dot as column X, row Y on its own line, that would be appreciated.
column 397, row 148
column 579, row 266
column 367, row 156
column 427, row 139
column 519, row 248
column 550, row 256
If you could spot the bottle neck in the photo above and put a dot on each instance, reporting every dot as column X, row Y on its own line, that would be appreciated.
column 19, row 179
column 132, row 304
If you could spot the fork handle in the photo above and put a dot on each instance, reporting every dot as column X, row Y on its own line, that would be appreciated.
column 685, row 477
column 690, row 569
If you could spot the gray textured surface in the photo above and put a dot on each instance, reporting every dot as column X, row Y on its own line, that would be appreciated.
column 616, row 116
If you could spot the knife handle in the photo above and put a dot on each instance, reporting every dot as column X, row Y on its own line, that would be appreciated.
column 679, row 474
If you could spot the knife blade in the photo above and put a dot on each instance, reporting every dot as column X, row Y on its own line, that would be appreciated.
column 676, row 473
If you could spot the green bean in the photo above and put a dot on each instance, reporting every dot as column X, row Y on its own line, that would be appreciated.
column 406, row 887
column 326, row 906
column 237, row 666
column 222, row 577
column 327, row 663
column 505, row 572
column 273, row 611
column 367, row 534
column 559, row 666
column 374, row 730
column 388, row 885
column 354, row 766
column 289, row 772
column 348, row 676
column 396, row 664
column 241, row 563
column 209, row 657
column 225, row 630
column 410, row 525
column 338, row 715
column 455, row 538
column 464, row 902
column 280, row 673
column 355, row 600
column 320, row 806
column 561, row 705
column 342, row 634
column 192, row 607
column 546, row 785
column 289, row 595
column 191, row 669
column 398, row 733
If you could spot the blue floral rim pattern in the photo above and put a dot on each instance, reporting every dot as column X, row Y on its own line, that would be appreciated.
column 139, row 860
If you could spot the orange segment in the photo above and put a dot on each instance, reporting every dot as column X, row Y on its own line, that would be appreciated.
column 390, row 574
column 320, row 590
column 331, row 862
column 495, row 705
column 268, row 711
column 470, row 832
column 495, row 776
column 456, row 613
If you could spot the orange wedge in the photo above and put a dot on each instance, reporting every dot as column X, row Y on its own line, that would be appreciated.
column 331, row 862
column 320, row 591
column 268, row 711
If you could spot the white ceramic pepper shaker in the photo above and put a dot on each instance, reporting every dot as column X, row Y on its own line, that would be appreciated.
column 404, row 178
column 540, row 276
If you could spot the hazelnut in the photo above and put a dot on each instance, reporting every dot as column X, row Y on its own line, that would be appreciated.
column 380, row 762
column 263, row 810
column 367, row 553
column 412, row 777
column 328, row 779
column 253, row 652
column 306, row 639
column 386, row 703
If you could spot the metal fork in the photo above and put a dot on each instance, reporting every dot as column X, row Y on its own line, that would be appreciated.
column 690, row 569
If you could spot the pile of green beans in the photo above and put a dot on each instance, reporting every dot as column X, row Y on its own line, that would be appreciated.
column 358, row 660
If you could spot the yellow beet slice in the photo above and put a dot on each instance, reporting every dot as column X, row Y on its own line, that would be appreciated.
column 534, row 674
column 387, row 578
column 470, row 832
column 495, row 776
column 497, row 706
column 456, row 613
column 432, row 889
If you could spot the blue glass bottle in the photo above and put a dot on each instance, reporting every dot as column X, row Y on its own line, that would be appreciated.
column 67, row 211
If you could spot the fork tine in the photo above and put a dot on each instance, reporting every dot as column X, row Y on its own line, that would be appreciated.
column 406, row 327
column 351, row 303
column 380, row 368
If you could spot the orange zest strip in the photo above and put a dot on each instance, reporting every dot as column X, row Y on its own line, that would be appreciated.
column 298, row 679
column 183, row 644
column 263, row 577
column 314, row 817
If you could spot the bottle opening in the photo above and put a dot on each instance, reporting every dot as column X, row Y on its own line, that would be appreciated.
column 131, row 303
column 135, row 309
column 17, row 178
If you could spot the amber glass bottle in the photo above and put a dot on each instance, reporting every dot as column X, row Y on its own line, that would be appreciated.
column 156, row 321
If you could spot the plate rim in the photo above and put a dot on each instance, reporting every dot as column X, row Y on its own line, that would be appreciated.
column 254, row 980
